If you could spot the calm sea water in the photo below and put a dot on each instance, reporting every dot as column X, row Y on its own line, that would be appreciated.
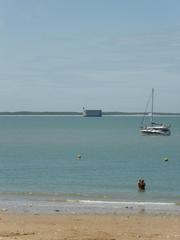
column 38, row 161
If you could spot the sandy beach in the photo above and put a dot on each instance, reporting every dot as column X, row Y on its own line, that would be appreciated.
column 89, row 227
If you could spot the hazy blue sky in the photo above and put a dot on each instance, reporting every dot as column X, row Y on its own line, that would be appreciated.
column 58, row 55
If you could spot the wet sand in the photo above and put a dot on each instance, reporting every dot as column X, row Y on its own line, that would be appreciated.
column 89, row 227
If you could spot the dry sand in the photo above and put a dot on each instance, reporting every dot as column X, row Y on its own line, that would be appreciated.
column 89, row 227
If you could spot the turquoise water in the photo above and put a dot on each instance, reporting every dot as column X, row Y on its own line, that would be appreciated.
column 38, row 160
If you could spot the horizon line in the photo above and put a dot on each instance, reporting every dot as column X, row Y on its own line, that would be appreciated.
column 80, row 113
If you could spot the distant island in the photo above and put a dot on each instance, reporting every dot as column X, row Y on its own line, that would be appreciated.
column 25, row 113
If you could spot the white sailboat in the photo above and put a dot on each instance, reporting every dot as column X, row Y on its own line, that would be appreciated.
column 154, row 128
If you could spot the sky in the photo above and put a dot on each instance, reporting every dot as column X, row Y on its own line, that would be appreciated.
column 63, row 55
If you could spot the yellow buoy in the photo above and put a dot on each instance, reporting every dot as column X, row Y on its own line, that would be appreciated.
column 78, row 156
column 165, row 159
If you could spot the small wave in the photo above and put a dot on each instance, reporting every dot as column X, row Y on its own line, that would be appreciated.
column 76, row 198
column 86, row 206
column 124, row 202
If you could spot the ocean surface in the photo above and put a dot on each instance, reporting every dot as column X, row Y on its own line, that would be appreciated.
column 40, row 170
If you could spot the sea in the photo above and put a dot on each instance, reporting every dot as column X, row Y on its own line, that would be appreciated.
column 75, row 164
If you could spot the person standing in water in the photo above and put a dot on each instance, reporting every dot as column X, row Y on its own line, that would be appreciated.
column 141, row 185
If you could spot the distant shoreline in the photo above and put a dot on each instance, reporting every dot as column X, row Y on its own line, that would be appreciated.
column 25, row 113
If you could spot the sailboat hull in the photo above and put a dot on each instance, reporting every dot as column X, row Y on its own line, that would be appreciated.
column 156, row 131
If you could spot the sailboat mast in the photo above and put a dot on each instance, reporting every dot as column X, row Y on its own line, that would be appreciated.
column 152, row 109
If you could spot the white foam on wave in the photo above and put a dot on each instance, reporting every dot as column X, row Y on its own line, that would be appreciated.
column 124, row 203
column 87, row 206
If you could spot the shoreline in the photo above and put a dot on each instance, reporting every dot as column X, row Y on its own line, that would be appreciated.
column 89, row 226
column 77, row 206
